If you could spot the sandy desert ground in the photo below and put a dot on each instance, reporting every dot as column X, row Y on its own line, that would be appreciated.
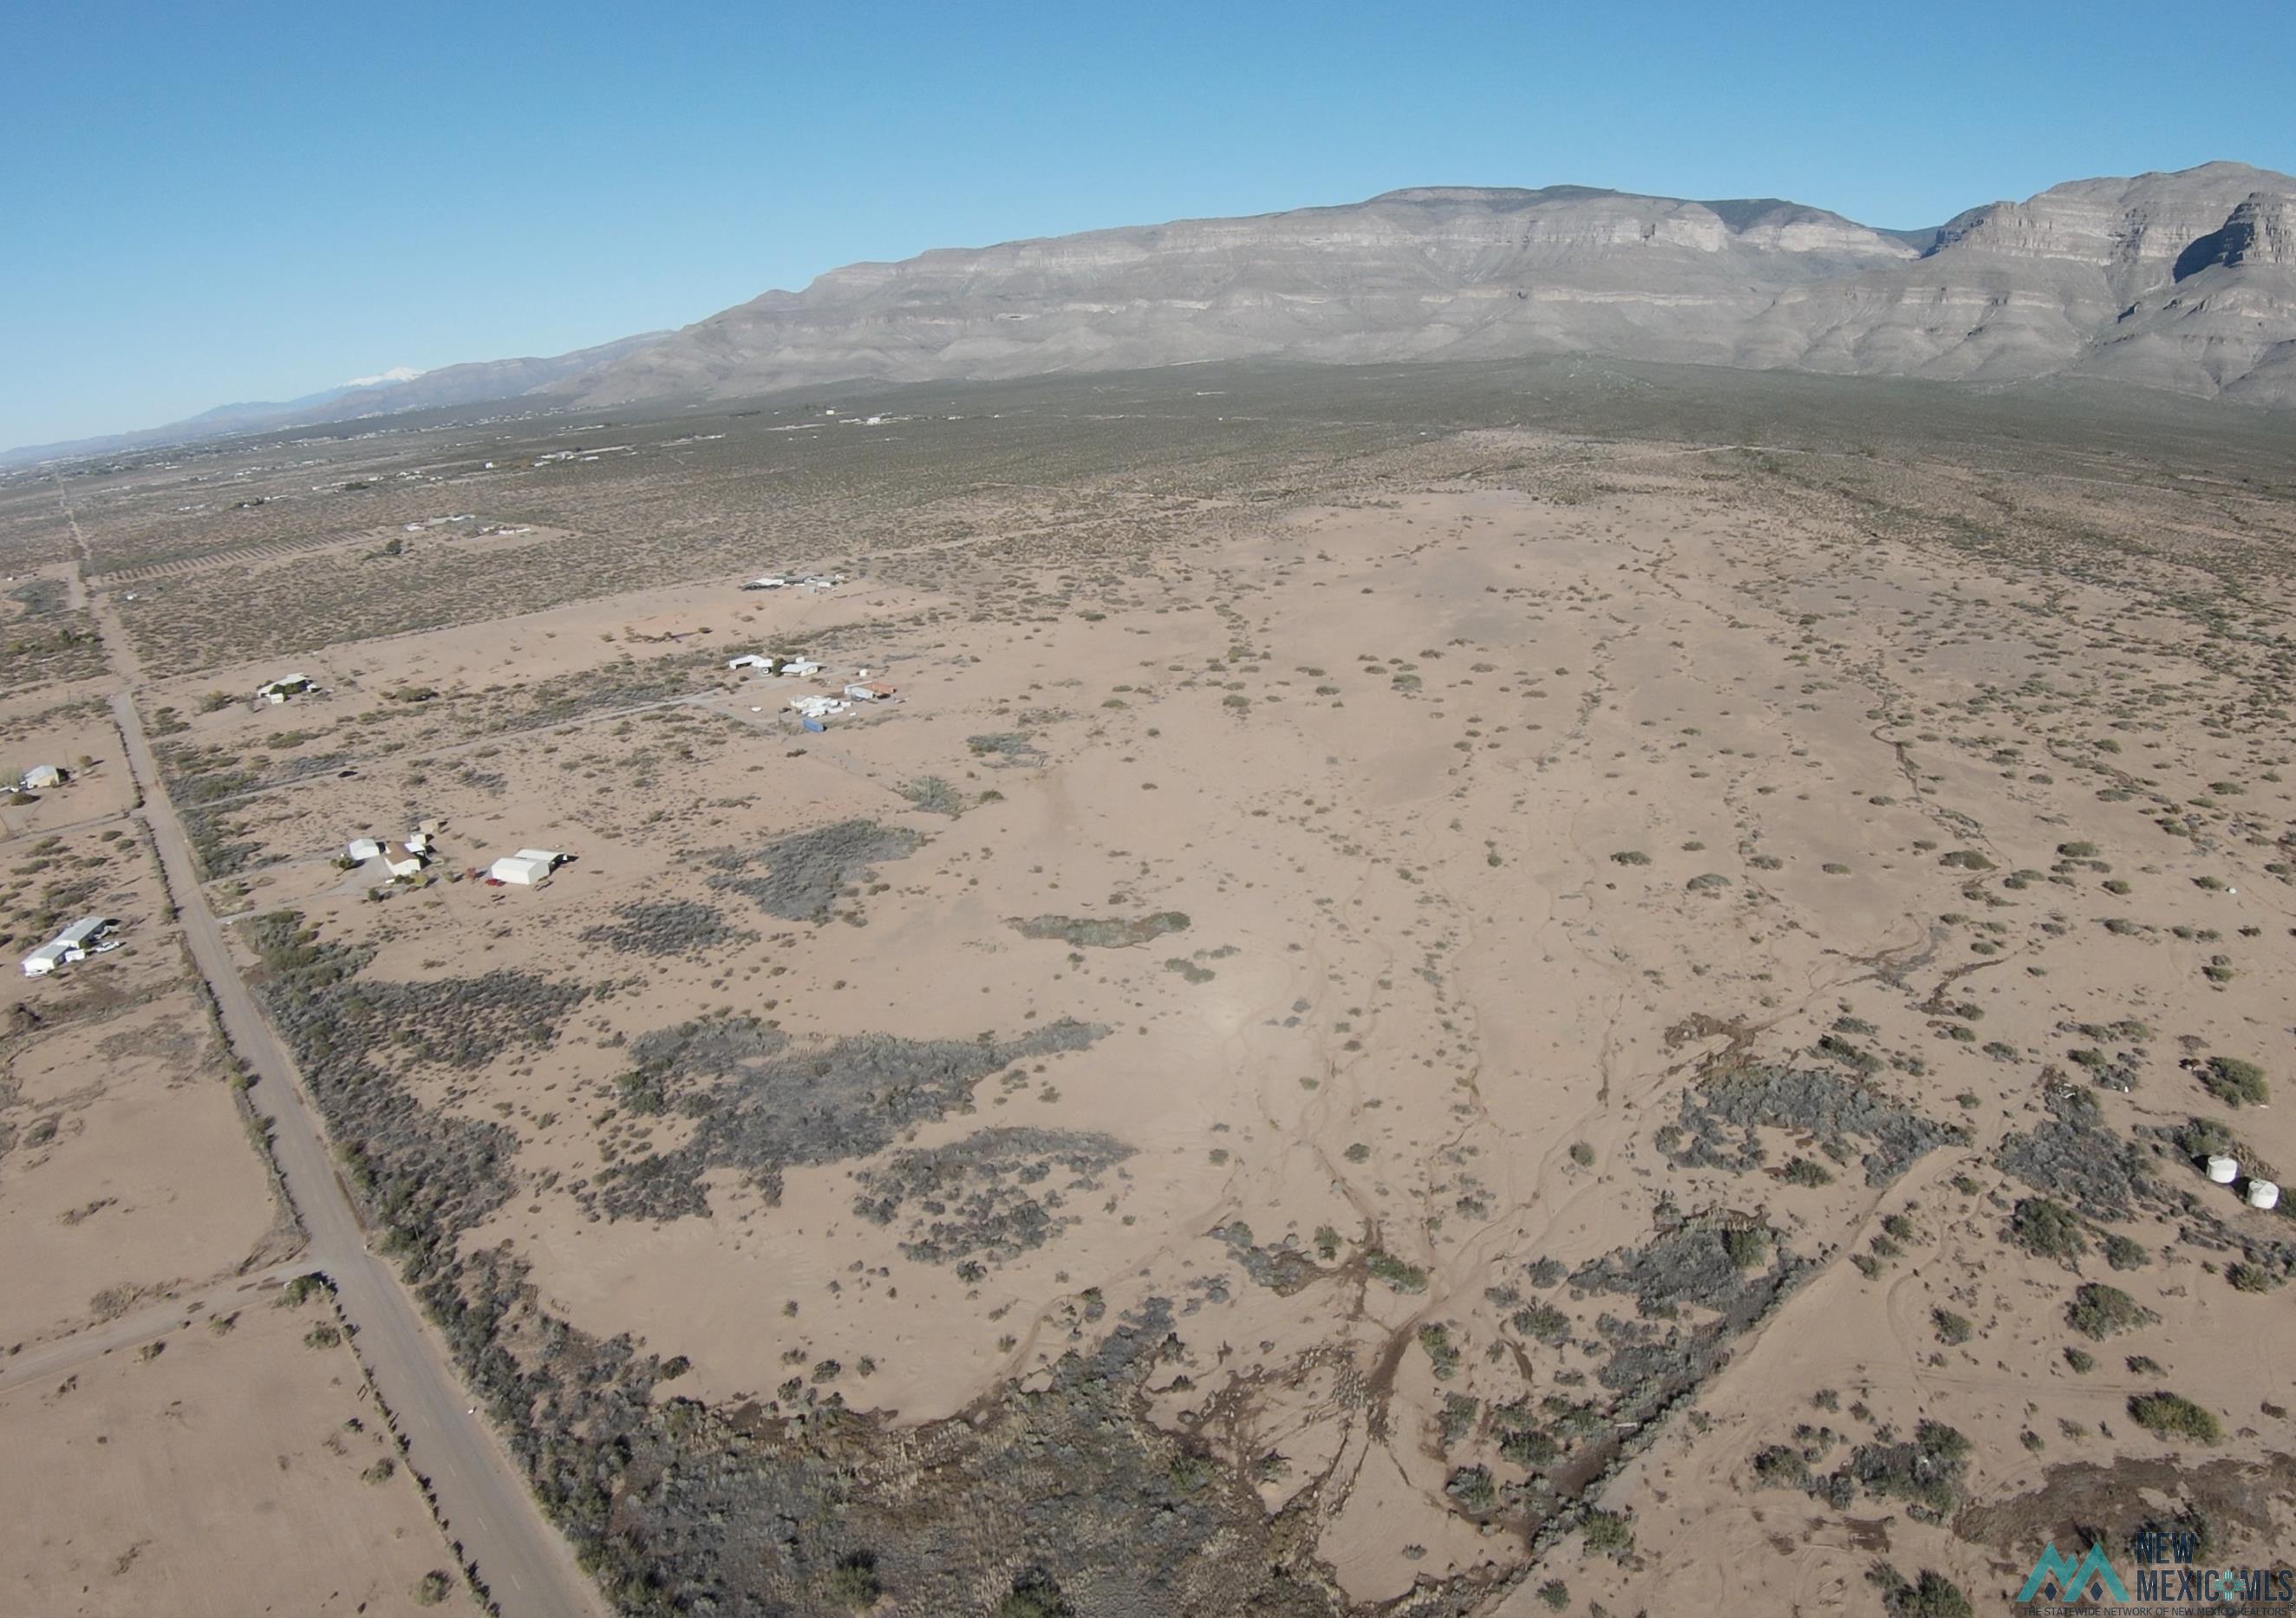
column 1468, row 990
column 226, row 1468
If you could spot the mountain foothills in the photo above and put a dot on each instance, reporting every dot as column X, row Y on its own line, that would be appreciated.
column 2184, row 281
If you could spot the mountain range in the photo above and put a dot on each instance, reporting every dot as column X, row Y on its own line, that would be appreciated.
column 2183, row 280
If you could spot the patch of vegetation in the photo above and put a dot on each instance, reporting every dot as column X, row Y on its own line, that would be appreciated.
column 2234, row 1081
column 763, row 1102
column 2173, row 1416
column 1104, row 933
column 1833, row 1108
column 807, row 872
column 1005, row 749
column 1932, row 1595
column 659, row 927
column 1403, row 1276
column 2048, row 1229
column 2098, row 1311
column 414, row 1170
column 998, row 1193
column 935, row 796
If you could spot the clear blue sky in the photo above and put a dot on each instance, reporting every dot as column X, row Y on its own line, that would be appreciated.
column 207, row 204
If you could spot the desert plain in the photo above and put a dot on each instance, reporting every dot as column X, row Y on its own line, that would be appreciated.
column 1493, row 989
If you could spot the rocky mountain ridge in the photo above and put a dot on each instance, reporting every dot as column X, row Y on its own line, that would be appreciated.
column 2184, row 281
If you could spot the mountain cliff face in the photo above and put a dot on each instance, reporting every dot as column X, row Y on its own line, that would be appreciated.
column 2177, row 280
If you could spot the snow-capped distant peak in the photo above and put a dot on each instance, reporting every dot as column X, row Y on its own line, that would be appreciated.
column 397, row 374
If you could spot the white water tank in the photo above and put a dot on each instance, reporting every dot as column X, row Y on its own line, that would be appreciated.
column 2224, row 1170
column 2263, row 1194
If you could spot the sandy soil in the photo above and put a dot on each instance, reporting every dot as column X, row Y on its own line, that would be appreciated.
column 1428, row 980
column 1510, row 818
column 222, row 1475
column 141, row 1185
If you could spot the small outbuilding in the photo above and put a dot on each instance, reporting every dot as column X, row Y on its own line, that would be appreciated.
column 798, row 668
column 281, row 689
column 42, row 776
column 363, row 849
column 870, row 690
column 519, row 871
column 751, row 660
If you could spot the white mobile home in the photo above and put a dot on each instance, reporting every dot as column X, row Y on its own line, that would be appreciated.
column 47, row 957
column 42, row 776
column 84, row 932
column 280, row 690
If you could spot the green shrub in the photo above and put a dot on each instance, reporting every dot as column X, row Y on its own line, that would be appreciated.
column 2098, row 1311
column 1473, row 1488
column 1932, row 1596
column 1952, row 1329
column 2250, row 1277
column 2173, row 1416
column 2235, row 1082
column 854, row 1580
column 2048, row 1230
column 1608, row 1533
column 1035, row 1594
column 1402, row 1277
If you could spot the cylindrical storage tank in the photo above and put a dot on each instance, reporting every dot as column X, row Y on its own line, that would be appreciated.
column 2263, row 1194
column 2224, row 1170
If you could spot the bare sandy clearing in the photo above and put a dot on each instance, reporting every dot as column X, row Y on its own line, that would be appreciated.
column 222, row 1475
column 128, row 1172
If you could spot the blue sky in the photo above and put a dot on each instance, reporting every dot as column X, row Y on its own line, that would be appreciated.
column 207, row 204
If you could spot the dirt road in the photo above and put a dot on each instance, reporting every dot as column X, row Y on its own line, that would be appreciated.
column 57, row 1358
column 489, row 1511
column 485, row 1502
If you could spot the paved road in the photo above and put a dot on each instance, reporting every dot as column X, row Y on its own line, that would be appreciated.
column 486, row 1504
